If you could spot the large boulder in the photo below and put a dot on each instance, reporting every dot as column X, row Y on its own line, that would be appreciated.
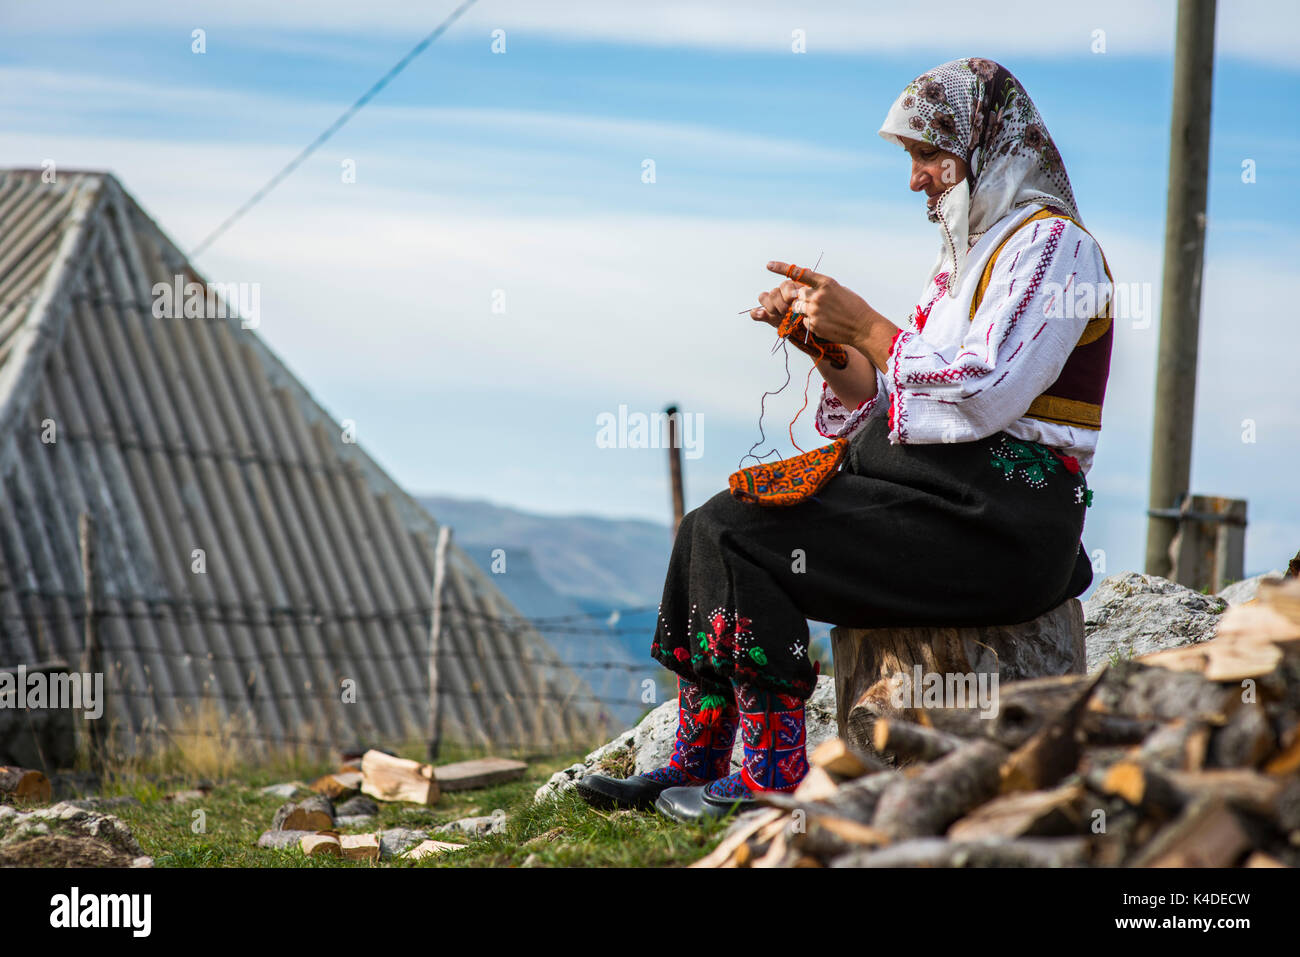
column 650, row 744
column 71, row 836
column 1238, row 593
column 1130, row 615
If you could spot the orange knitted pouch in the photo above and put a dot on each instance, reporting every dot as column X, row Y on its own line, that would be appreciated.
column 789, row 481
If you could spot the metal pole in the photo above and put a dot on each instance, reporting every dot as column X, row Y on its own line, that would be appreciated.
column 1180, row 299
column 675, row 468
column 435, row 639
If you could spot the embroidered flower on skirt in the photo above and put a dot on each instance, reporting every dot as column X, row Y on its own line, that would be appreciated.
column 1033, row 463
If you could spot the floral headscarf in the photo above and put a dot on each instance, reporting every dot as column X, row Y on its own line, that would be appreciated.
column 976, row 109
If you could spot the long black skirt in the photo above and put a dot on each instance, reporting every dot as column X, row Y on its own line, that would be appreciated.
column 964, row 533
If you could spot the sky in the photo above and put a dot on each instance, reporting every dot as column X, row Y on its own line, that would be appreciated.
column 501, row 275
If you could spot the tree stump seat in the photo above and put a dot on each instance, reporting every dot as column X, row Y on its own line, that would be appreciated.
column 868, row 662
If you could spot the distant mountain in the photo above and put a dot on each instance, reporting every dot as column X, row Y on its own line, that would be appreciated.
column 593, row 565
column 611, row 562
column 589, row 645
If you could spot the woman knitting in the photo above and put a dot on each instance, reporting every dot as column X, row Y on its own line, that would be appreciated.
column 965, row 434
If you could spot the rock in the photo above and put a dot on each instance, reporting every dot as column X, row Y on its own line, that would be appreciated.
column 474, row 826
column 144, row 860
column 284, row 791
column 354, row 820
column 282, row 840
column 1130, row 615
column 560, row 782
column 1243, row 591
column 530, row 861
column 398, row 839
column 652, row 740
column 67, row 817
column 359, row 806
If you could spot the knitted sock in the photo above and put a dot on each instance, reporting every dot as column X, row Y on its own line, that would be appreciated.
column 773, row 734
column 706, row 733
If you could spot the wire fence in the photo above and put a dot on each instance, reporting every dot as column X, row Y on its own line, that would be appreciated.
column 302, row 671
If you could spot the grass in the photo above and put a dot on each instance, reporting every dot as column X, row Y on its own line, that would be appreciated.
column 221, row 829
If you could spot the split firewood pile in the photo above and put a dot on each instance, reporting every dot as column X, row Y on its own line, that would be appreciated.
column 348, row 795
column 1186, row 757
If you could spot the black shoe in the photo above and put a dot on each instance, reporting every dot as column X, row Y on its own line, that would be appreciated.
column 602, row 791
column 692, row 804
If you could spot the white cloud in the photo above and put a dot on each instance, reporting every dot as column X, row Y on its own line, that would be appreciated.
column 1252, row 29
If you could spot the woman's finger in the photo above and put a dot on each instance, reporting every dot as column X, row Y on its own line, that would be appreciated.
column 799, row 273
column 775, row 303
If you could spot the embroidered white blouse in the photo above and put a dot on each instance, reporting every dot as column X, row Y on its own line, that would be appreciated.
column 951, row 379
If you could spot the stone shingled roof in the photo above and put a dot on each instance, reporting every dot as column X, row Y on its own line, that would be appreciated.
column 183, row 433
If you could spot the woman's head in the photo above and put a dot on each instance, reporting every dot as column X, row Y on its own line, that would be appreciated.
column 934, row 170
column 978, row 147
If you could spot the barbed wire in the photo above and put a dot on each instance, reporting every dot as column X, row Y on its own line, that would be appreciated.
column 190, row 610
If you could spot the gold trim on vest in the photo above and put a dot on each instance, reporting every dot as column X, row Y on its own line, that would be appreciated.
column 1053, row 408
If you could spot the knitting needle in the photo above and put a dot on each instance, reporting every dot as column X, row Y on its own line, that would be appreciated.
column 814, row 269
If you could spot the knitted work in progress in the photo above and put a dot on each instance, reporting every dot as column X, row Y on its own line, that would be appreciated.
column 789, row 481
column 706, row 734
column 794, row 331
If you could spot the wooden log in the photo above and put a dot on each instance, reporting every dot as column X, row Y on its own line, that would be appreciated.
column 739, row 832
column 1123, row 832
column 390, row 778
column 1206, row 834
column 858, row 799
column 1025, row 814
column 359, row 847
column 1171, row 791
column 1102, row 730
column 320, row 845
column 944, row 791
column 778, row 853
column 854, row 800
column 1245, row 741
column 816, row 784
column 1260, row 859
column 1220, row 659
column 915, row 742
column 1287, row 760
column 1180, row 745
column 338, row 786
column 866, row 659
column 1053, row 750
column 839, row 758
column 430, row 848
column 1139, row 691
column 1023, row 709
column 990, row 852
column 25, row 785
column 826, row 838
column 480, row 773
column 312, row 813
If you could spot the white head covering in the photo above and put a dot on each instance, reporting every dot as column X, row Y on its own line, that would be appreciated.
column 976, row 109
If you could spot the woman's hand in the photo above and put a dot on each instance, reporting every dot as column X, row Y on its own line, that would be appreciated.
column 837, row 314
column 830, row 310
column 775, row 304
